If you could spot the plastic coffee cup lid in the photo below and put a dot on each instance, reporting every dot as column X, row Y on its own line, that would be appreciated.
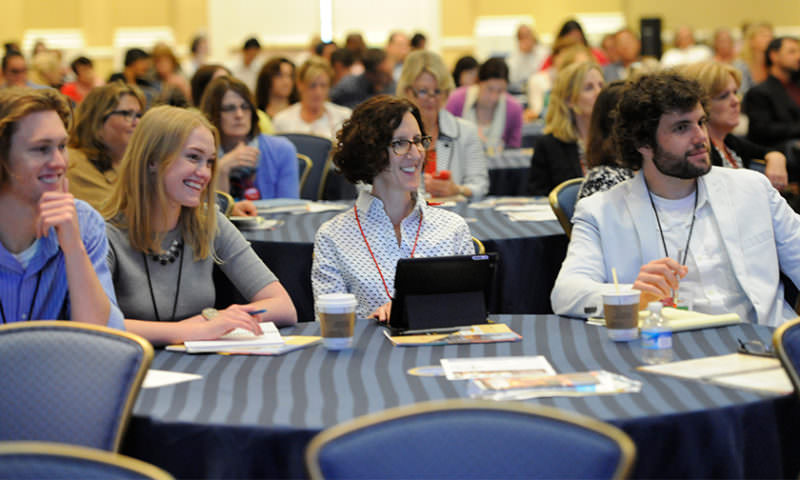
column 624, row 297
column 337, row 301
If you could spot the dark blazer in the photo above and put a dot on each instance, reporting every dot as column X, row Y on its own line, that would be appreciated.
column 553, row 162
column 774, row 116
column 746, row 150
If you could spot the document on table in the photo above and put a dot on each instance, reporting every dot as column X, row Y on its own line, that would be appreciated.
column 466, row 368
column 489, row 333
column 238, row 338
column 531, row 212
column 736, row 370
column 162, row 378
column 679, row 320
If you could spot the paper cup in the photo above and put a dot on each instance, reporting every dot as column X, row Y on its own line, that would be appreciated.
column 337, row 315
column 622, row 315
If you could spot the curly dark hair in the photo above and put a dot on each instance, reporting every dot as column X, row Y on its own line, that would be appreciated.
column 643, row 103
column 362, row 145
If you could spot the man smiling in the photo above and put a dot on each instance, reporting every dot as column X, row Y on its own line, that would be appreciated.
column 52, row 247
column 724, row 235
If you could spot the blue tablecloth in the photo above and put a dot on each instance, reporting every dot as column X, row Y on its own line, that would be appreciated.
column 530, row 257
column 509, row 172
column 251, row 417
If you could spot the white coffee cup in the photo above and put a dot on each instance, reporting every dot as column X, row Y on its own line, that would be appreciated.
column 337, row 315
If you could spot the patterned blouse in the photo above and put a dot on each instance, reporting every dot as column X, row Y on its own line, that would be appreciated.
column 343, row 264
column 602, row 178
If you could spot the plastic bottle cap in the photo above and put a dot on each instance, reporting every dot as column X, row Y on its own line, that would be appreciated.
column 655, row 307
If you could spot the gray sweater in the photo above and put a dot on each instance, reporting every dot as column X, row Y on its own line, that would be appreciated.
column 196, row 290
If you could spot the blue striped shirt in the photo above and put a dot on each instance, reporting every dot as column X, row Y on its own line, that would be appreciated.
column 21, row 298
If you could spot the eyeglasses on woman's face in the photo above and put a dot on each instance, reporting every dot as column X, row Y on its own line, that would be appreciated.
column 128, row 115
column 402, row 146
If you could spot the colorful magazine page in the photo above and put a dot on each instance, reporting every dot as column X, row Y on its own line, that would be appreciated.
column 578, row 384
column 488, row 333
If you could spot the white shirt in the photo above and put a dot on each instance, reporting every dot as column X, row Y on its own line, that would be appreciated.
column 522, row 65
column 343, row 264
column 290, row 121
column 247, row 74
column 710, row 286
column 683, row 56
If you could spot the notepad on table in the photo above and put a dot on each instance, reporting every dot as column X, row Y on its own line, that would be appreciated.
column 679, row 320
column 237, row 338
column 489, row 333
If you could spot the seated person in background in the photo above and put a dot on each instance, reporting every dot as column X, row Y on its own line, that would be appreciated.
column 104, row 123
column 313, row 114
column 375, row 80
column 465, row 73
column 628, row 48
column 572, row 31
column 165, row 239
column 275, row 89
column 723, row 46
column 15, row 70
column 526, row 60
column 721, row 83
column 383, row 144
column 247, row 66
column 565, row 53
column 168, row 70
column 251, row 165
column 685, row 50
column 724, row 235
column 606, row 167
column 455, row 145
column 52, row 246
column 342, row 61
column 752, row 63
column 202, row 77
column 85, row 80
column 488, row 105
column 773, row 106
column 46, row 69
column 559, row 154
column 137, row 72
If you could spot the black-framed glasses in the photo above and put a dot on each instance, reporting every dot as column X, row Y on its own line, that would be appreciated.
column 401, row 146
column 755, row 347
column 128, row 115
column 230, row 108
column 425, row 93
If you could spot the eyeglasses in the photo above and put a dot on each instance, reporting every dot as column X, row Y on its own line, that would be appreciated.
column 127, row 114
column 232, row 108
column 424, row 92
column 402, row 146
column 755, row 347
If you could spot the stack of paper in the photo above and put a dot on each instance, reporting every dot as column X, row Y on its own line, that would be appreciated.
column 238, row 338
column 531, row 212
column 489, row 333
column 679, row 320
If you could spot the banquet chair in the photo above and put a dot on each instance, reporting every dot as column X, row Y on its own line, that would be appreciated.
column 45, row 460
column 563, row 199
column 479, row 248
column 470, row 439
column 69, row 382
column 224, row 202
column 786, row 341
column 304, row 166
column 334, row 186
column 316, row 148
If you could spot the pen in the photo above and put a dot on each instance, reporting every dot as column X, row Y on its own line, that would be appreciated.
column 258, row 312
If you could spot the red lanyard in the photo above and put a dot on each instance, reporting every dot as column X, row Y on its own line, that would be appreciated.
column 413, row 249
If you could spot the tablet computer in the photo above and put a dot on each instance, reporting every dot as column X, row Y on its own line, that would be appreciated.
column 436, row 294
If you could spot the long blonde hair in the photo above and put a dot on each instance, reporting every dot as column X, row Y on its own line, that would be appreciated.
column 139, row 193
column 560, row 120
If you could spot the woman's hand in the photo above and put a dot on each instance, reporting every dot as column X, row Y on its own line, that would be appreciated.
column 440, row 188
column 235, row 316
column 244, row 208
column 776, row 170
column 382, row 313
column 241, row 156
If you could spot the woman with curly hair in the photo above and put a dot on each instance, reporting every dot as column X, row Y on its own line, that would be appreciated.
column 382, row 145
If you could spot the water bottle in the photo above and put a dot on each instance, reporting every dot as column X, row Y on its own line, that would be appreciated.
column 656, row 337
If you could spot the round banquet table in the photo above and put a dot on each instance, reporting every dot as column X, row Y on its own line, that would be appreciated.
column 530, row 255
column 252, row 416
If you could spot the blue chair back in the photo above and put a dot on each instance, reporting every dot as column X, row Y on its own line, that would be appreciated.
column 317, row 149
column 460, row 439
column 334, row 186
column 69, row 382
column 38, row 460
column 786, row 341
column 563, row 199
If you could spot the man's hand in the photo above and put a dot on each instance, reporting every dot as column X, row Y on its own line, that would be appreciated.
column 57, row 209
column 658, row 279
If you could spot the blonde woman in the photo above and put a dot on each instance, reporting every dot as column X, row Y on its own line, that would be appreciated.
column 456, row 146
column 313, row 114
column 104, row 123
column 165, row 237
column 721, row 82
column 753, row 64
column 560, row 154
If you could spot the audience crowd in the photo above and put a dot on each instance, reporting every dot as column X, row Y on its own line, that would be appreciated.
column 152, row 148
